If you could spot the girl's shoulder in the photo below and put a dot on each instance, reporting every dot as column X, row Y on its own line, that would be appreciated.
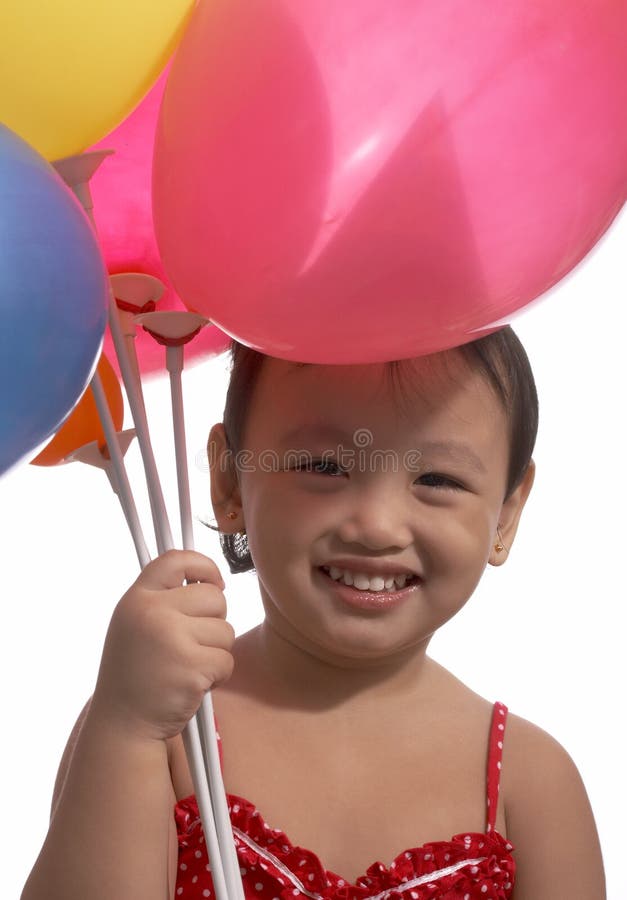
column 548, row 817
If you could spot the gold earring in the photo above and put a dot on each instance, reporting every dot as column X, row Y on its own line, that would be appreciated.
column 499, row 546
column 231, row 515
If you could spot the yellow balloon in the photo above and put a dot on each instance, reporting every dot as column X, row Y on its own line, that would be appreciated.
column 71, row 70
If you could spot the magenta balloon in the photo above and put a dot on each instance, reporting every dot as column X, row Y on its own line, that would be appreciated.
column 123, row 212
column 365, row 180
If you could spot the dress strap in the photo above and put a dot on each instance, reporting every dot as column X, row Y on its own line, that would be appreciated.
column 495, row 753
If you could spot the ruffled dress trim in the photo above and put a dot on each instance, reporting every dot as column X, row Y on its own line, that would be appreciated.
column 468, row 867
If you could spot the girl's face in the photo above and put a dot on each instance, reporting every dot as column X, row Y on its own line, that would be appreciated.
column 341, row 470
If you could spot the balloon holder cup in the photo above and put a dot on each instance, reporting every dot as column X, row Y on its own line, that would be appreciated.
column 136, row 292
column 96, row 454
column 172, row 328
column 77, row 171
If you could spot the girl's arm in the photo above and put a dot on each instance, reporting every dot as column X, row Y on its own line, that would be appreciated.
column 549, row 819
column 112, row 831
column 112, row 834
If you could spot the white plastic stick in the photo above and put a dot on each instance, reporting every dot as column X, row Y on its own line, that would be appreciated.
column 206, row 724
column 133, row 392
column 205, row 716
column 174, row 362
column 124, row 491
column 193, row 749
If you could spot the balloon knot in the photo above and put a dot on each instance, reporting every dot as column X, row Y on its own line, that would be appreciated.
column 172, row 341
column 148, row 307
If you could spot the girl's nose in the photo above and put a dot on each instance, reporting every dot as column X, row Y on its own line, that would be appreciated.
column 377, row 519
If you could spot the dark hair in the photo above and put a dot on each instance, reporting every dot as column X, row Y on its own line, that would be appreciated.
column 499, row 357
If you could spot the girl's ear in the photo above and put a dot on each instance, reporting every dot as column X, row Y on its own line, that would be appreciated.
column 225, row 491
column 510, row 517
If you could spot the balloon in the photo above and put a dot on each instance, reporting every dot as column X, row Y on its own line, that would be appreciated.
column 73, row 69
column 83, row 424
column 364, row 181
column 53, row 300
column 123, row 211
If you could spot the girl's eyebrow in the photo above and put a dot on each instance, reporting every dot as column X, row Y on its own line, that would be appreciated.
column 317, row 431
column 457, row 451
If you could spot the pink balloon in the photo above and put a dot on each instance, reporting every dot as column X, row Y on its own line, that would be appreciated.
column 121, row 191
column 365, row 180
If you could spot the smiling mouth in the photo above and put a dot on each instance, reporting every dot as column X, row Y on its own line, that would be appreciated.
column 372, row 584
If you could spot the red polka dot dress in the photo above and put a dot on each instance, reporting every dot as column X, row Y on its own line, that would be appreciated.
column 468, row 867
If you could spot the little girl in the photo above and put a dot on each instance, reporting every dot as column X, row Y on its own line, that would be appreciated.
column 369, row 499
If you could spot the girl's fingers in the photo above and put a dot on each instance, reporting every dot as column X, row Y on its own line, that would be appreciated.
column 174, row 568
column 213, row 633
column 197, row 600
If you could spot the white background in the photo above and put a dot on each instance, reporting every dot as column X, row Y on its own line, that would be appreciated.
column 545, row 633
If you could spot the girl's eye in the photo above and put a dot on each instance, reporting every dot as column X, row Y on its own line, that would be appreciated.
column 318, row 467
column 432, row 479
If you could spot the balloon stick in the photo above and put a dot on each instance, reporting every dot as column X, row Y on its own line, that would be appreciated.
column 175, row 329
column 135, row 293
column 77, row 171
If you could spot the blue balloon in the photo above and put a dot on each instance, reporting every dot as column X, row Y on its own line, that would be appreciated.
column 53, row 300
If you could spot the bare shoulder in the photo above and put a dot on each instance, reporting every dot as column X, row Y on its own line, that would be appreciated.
column 549, row 818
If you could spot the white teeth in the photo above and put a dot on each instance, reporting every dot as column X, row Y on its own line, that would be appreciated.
column 364, row 582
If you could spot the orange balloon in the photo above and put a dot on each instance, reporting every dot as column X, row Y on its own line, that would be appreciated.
column 83, row 424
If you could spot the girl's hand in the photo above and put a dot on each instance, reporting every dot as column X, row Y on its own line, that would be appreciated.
column 167, row 645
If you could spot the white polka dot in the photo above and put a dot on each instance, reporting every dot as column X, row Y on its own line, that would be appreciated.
column 447, row 856
column 501, row 711
column 498, row 765
column 310, row 876
column 508, row 846
column 408, row 856
column 194, row 879
column 466, row 896
column 208, row 867
column 414, row 895
column 484, row 889
column 499, row 744
column 179, row 891
column 302, row 862
column 501, row 727
column 474, row 870
column 296, row 892
column 242, row 871
column 197, row 854
column 258, row 886
column 206, row 892
column 341, row 882
column 183, row 867
column 236, row 808
column 427, row 856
